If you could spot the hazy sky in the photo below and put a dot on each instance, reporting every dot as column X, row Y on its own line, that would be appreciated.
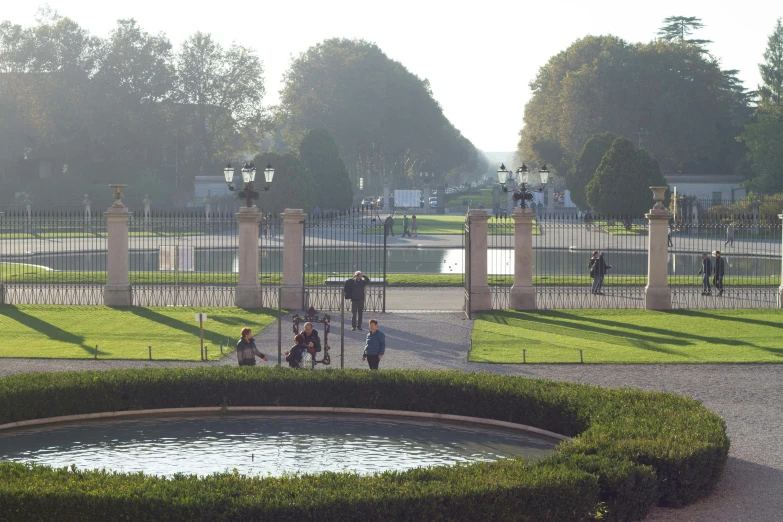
column 478, row 56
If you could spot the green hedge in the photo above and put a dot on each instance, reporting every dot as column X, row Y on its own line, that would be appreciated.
column 631, row 449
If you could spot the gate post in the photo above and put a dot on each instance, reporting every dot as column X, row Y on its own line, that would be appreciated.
column 248, row 291
column 657, row 295
column 523, row 294
column 2, row 281
column 780, row 289
column 480, row 296
column 293, row 257
column 117, row 291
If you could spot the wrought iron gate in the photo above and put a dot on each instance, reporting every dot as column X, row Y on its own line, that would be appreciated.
column 337, row 244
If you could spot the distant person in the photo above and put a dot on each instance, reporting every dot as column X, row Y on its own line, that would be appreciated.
column 729, row 235
column 414, row 226
column 598, row 268
column 246, row 349
column 389, row 225
column 705, row 272
column 354, row 290
column 406, row 226
column 481, row 205
column 720, row 271
column 671, row 227
column 295, row 354
column 588, row 219
column 374, row 346
column 311, row 339
column 317, row 211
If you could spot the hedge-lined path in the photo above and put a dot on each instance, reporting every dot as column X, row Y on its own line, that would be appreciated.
column 749, row 397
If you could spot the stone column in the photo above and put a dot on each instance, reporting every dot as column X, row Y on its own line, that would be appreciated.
column 523, row 294
column 293, row 233
column 780, row 289
column 2, row 283
column 657, row 295
column 117, row 291
column 480, row 296
column 248, row 291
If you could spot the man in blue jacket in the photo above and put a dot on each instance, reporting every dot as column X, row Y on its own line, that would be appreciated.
column 375, row 345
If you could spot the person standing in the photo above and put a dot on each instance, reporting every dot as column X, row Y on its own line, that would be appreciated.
column 414, row 226
column 389, row 225
column 375, row 346
column 405, row 226
column 720, row 271
column 670, row 235
column 729, row 235
column 705, row 272
column 246, row 349
column 354, row 290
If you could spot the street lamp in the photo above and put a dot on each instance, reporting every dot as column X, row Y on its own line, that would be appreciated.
column 526, row 180
column 248, row 193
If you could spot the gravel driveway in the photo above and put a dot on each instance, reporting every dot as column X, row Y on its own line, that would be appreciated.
column 749, row 397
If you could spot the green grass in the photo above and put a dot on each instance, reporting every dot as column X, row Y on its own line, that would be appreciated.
column 629, row 336
column 71, row 332
column 437, row 225
column 618, row 229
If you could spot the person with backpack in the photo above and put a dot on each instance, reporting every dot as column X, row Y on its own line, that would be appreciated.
column 354, row 290
column 246, row 349
column 294, row 355
column 598, row 268
column 705, row 272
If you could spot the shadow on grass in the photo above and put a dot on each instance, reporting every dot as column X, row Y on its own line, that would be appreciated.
column 182, row 326
column 645, row 334
column 48, row 329
column 747, row 320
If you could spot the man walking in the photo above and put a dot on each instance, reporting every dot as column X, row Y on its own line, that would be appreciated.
column 354, row 290
column 405, row 226
column 375, row 346
column 705, row 272
column 720, row 271
column 598, row 268
column 729, row 235
column 389, row 224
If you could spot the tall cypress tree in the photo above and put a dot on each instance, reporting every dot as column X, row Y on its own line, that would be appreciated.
column 771, row 92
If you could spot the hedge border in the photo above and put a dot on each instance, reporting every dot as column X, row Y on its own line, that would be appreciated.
column 630, row 448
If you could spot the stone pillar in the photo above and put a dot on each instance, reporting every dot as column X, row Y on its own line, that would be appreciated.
column 386, row 194
column 695, row 213
column 780, row 289
column 657, row 295
column 2, row 284
column 248, row 291
column 117, row 291
column 480, row 296
column 293, row 233
column 523, row 294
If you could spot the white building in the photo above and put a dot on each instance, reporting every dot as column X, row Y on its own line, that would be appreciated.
column 707, row 187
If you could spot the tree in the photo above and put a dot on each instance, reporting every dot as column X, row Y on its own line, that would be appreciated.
column 586, row 165
column 771, row 91
column 603, row 84
column 764, row 140
column 621, row 186
column 676, row 28
column 383, row 118
column 320, row 156
column 225, row 88
column 292, row 186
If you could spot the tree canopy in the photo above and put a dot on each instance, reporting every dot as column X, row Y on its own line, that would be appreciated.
column 621, row 186
column 383, row 118
column 585, row 166
column 676, row 28
column 672, row 94
column 771, row 89
column 292, row 186
column 319, row 155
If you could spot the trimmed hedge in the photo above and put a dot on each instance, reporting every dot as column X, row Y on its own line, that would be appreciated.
column 631, row 449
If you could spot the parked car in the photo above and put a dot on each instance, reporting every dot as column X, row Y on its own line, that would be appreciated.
column 433, row 202
column 368, row 201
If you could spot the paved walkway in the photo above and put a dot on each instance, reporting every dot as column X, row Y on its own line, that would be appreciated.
column 749, row 397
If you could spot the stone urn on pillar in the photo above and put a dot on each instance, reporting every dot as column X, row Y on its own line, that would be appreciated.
column 657, row 295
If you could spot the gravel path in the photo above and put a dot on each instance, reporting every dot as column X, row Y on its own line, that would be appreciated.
column 749, row 397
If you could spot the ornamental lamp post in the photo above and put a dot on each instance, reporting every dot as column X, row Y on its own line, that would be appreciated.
column 526, row 180
column 248, row 192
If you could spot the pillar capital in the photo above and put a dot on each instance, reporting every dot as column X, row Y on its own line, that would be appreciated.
column 478, row 216
column 293, row 215
column 523, row 216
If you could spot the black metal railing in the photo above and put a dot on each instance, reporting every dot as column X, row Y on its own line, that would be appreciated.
column 500, row 259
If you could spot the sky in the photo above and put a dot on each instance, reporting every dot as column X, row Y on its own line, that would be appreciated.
column 478, row 56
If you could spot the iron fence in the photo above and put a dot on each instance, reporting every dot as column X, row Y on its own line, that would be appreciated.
column 747, row 253
column 500, row 260
column 183, row 259
column 52, row 258
column 337, row 244
column 270, row 258
column 563, row 249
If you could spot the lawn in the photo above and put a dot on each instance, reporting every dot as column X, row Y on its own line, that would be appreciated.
column 71, row 332
column 618, row 229
column 437, row 225
column 629, row 336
